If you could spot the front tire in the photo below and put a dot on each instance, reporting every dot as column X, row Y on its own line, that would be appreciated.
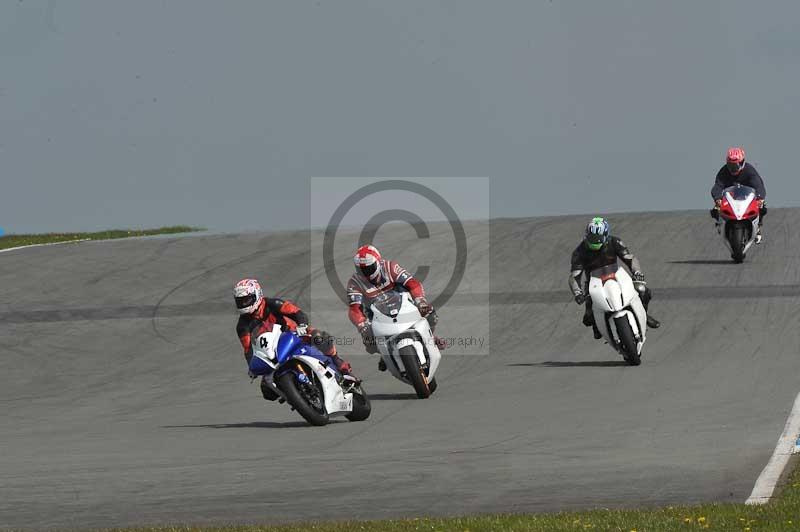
column 627, row 341
column 361, row 406
column 414, row 373
column 736, row 238
column 289, row 386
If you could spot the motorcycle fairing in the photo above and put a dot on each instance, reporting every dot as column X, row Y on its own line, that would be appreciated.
column 614, row 296
column 400, row 326
column 276, row 353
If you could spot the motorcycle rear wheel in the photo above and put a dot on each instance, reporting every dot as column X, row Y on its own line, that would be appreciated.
column 414, row 373
column 361, row 406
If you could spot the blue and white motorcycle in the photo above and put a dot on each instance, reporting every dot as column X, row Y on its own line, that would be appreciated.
column 306, row 378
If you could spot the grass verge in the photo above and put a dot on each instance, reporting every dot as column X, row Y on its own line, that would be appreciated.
column 12, row 241
column 781, row 514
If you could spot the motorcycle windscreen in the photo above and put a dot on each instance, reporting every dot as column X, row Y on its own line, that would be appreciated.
column 397, row 306
column 389, row 303
column 606, row 273
column 740, row 193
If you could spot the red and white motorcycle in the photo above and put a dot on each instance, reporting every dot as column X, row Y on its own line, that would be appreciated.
column 738, row 220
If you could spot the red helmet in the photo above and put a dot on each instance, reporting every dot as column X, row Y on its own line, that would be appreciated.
column 368, row 261
column 735, row 160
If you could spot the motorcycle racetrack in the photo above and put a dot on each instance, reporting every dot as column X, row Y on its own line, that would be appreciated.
column 125, row 397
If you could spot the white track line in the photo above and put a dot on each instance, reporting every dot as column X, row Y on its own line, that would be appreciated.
column 768, row 479
column 47, row 244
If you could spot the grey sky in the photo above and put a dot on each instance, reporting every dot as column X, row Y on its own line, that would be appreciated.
column 217, row 113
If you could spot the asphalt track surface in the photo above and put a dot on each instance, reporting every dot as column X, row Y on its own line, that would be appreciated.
column 125, row 401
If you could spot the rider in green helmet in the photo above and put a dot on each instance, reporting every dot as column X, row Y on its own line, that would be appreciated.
column 598, row 250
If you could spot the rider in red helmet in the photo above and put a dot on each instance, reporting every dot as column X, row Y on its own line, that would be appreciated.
column 375, row 275
column 258, row 314
column 737, row 170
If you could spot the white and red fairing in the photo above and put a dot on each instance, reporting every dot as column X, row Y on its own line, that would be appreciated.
column 739, row 203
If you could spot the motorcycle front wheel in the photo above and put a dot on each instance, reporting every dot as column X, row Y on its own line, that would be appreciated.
column 301, row 401
column 414, row 373
column 629, row 348
column 737, row 237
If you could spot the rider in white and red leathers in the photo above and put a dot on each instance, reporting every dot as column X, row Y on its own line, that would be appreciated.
column 375, row 275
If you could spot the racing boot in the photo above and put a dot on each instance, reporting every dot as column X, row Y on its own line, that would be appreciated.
column 588, row 320
column 652, row 322
column 759, row 235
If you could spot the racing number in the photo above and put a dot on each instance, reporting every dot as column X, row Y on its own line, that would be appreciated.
column 263, row 342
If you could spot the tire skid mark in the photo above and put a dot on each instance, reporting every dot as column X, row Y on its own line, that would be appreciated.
column 206, row 308
column 153, row 256
column 238, row 260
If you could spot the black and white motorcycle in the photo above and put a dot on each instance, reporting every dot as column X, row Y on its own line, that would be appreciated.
column 405, row 341
column 618, row 311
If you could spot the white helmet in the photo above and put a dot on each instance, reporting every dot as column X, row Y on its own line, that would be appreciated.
column 368, row 261
column 248, row 295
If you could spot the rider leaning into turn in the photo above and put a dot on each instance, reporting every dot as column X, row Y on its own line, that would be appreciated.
column 258, row 314
column 737, row 170
column 375, row 275
column 598, row 250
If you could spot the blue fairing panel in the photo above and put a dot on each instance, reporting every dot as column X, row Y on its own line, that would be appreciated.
column 288, row 344
column 259, row 367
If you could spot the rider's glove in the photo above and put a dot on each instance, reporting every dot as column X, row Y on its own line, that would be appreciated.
column 302, row 329
column 367, row 338
column 580, row 298
column 424, row 307
column 717, row 203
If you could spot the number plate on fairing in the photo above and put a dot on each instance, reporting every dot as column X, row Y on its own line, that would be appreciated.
column 346, row 403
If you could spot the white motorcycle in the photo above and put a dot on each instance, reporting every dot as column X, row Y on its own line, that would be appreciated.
column 306, row 378
column 405, row 341
column 740, row 215
column 618, row 311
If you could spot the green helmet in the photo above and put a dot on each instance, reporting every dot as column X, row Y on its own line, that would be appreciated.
column 597, row 234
